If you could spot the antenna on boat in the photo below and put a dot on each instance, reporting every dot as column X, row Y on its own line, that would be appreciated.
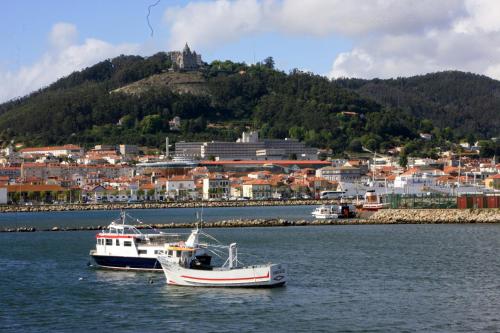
column 123, row 216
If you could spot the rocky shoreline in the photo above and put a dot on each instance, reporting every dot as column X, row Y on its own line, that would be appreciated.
column 160, row 205
column 434, row 216
column 386, row 216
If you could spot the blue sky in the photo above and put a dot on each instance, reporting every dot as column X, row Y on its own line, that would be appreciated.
column 26, row 25
column 42, row 41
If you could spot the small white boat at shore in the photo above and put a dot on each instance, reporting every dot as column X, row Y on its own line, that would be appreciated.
column 326, row 212
column 183, row 268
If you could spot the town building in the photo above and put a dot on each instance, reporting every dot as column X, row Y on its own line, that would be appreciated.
column 339, row 174
column 66, row 150
column 185, row 59
column 216, row 186
column 180, row 187
column 257, row 189
column 248, row 147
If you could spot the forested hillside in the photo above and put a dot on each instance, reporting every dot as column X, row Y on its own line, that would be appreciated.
column 85, row 108
column 468, row 103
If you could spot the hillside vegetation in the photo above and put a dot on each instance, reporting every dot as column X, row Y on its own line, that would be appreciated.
column 131, row 99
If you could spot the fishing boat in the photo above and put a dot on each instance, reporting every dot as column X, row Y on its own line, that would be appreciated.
column 123, row 246
column 182, row 267
column 326, row 212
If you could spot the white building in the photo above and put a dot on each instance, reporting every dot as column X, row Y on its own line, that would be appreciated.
column 180, row 187
column 216, row 187
column 66, row 150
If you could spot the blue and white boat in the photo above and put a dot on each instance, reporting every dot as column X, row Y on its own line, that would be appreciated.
column 123, row 246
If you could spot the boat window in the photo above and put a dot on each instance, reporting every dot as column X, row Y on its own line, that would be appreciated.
column 109, row 241
column 117, row 242
column 127, row 243
column 142, row 251
column 170, row 253
column 177, row 253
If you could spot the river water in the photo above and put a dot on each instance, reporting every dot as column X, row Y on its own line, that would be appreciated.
column 349, row 278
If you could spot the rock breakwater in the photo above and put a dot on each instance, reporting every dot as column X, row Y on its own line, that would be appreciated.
column 400, row 216
column 159, row 205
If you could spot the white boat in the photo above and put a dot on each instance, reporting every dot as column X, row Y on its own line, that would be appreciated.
column 123, row 246
column 326, row 212
column 183, row 268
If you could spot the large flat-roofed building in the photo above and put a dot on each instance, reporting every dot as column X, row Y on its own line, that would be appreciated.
column 249, row 147
column 66, row 150
column 188, row 149
column 277, row 166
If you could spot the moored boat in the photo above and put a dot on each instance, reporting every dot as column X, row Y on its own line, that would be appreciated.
column 123, row 246
column 326, row 212
column 182, row 266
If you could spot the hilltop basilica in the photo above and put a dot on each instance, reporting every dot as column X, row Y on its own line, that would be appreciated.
column 185, row 59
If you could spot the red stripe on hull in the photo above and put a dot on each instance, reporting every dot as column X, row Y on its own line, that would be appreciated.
column 112, row 236
column 226, row 279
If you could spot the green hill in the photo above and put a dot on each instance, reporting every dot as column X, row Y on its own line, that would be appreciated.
column 131, row 99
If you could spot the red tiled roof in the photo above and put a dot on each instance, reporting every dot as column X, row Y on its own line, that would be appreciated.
column 277, row 162
column 65, row 147
column 33, row 188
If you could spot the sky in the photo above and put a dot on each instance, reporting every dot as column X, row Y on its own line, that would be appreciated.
column 42, row 41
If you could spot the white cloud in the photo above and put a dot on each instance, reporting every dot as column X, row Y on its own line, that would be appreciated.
column 63, row 57
column 63, row 34
column 389, row 37
column 210, row 23
column 468, row 43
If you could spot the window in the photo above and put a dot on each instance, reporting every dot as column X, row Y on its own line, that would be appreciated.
column 177, row 254
column 170, row 253
column 109, row 241
column 127, row 243
column 142, row 251
column 117, row 243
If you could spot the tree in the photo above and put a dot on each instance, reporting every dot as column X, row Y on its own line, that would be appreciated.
column 403, row 160
column 269, row 62
column 151, row 194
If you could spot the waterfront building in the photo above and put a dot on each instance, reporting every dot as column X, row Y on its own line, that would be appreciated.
column 179, row 187
column 257, row 189
column 216, row 186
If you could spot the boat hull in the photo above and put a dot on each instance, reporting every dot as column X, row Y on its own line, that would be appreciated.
column 265, row 276
column 127, row 263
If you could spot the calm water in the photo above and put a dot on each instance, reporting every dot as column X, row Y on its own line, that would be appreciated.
column 168, row 215
column 387, row 278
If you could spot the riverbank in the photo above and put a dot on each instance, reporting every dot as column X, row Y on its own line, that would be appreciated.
column 386, row 216
column 160, row 205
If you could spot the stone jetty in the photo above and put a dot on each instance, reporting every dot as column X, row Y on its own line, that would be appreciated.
column 159, row 205
column 386, row 216
column 415, row 216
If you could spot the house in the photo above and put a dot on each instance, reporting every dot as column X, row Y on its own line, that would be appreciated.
column 339, row 174
column 257, row 189
column 216, row 186
column 417, row 177
column 180, row 187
